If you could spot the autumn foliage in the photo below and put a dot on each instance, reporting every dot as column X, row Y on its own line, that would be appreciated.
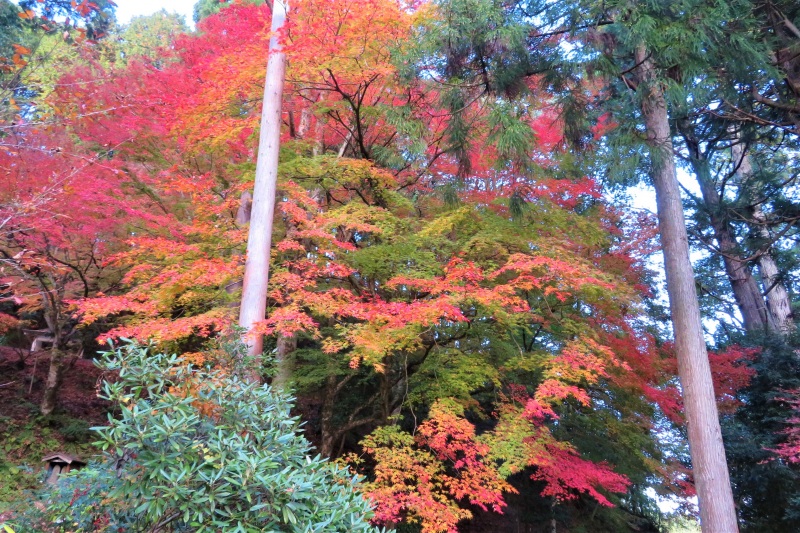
column 450, row 312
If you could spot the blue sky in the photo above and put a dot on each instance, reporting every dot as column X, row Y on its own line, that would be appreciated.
column 131, row 8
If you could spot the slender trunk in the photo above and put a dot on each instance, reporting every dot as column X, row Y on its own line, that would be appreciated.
column 245, row 208
column 745, row 288
column 329, row 434
column 259, row 239
column 53, row 383
column 306, row 114
column 778, row 302
column 283, row 372
column 319, row 132
column 717, row 511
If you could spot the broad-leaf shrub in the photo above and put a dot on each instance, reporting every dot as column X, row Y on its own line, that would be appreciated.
column 201, row 450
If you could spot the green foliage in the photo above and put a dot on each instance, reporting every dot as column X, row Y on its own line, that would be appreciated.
column 767, row 489
column 452, row 374
column 10, row 27
column 145, row 36
column 78, row 502
column 200, row 450
column 206, row 8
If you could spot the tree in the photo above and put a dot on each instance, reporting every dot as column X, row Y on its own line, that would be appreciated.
column 432, row 245
column 57, row 232
column 148, row 35
column 206, row 8
column 259, row 239
column 625, row 32
column 705, row 437
column 765, row 484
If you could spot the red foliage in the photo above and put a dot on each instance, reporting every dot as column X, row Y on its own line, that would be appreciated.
column 567, row 474
column 729, row 370
column 789, row 449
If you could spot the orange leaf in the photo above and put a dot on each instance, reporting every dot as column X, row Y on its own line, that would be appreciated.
column 21, row 50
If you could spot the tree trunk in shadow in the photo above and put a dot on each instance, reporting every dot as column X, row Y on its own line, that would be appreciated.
column 283, row 371
column 54, row 376
column 778, row 302
column 329, row 434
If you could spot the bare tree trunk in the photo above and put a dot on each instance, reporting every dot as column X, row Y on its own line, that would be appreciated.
column 53, row 383
column 778, row 302
column 746, row 291
column 283, row 372
column 259, row 239
column 245, row 208
column 329, row 435
column 717, row 511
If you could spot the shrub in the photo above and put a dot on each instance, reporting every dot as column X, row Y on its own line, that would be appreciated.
column 200, row 450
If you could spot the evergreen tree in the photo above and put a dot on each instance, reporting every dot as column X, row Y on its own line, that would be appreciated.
column 766, row 487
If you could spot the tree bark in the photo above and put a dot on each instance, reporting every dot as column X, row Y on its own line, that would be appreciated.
column 778, row 303
column 259, row 239
column 283, row 373
column 53, row 383
column 717, row 511
column 329, row 433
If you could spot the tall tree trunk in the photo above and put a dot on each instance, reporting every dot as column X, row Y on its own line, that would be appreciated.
column 778, row 302
column 259, row 239
column 744, row 286
column 717, row 511
column 53, row 383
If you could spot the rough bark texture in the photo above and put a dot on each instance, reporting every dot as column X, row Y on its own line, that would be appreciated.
column 259, row 239
column 717, row 511
column 778, row 302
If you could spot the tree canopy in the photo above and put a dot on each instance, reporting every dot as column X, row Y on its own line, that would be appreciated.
column 468, row 309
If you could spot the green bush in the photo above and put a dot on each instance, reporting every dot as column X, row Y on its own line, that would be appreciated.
column 197, row 450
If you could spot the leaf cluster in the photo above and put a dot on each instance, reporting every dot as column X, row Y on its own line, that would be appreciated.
column 197, row 450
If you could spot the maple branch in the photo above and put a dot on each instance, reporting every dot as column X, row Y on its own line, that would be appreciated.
column 339, row 386
column 82, row 115
column 77, row 271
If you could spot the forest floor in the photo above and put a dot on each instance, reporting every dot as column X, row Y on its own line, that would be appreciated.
column 26, row 436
